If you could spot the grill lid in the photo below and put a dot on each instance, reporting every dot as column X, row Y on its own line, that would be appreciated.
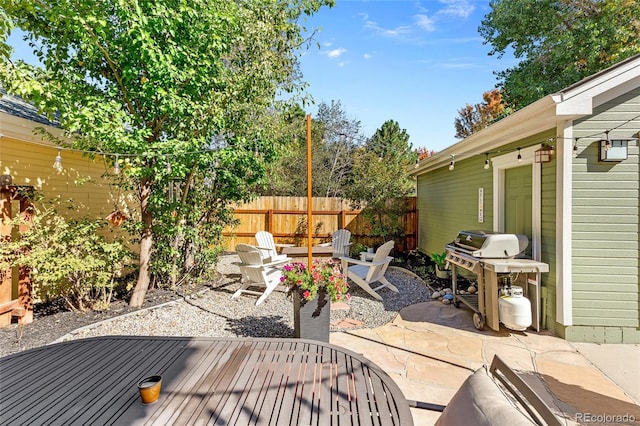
column 488, row 244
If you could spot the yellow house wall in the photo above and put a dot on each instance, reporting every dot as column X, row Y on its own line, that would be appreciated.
column 29, row 160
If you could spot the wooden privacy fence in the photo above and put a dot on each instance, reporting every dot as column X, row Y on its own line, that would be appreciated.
column 286, row 219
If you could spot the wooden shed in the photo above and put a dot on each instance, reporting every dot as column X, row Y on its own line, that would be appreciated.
column 565, row 171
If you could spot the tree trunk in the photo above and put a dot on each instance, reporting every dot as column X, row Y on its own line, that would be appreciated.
column 146, row 242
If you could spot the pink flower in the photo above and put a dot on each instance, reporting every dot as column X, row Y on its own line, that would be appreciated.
column 306, row 294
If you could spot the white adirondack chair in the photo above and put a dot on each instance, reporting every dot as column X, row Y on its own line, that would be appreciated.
column 268, row 247
column 255, row 273
column 340, row 242
column 366, row 273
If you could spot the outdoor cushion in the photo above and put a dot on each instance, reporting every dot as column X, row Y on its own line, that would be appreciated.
column 481, row 402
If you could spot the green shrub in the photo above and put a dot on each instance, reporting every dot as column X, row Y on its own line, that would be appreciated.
column 68, row 260
column 356, row 248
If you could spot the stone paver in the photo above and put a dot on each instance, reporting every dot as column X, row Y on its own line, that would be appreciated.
column 429, row 349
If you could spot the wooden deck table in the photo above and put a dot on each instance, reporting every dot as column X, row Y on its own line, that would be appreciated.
column 304, row 251
column 205, row 381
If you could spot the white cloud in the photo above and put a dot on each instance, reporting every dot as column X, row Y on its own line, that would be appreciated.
column 457, row 8
column 388, row 32
column 327, row 44
column 425, row 22
column 336, row 53
column 367, row 56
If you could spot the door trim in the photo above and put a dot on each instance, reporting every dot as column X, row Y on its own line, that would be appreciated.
column 509, row 161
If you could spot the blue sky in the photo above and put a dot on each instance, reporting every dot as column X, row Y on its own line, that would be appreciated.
column 415, row 62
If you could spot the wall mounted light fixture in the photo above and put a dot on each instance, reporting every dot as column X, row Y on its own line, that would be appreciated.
column 57, row 164
column 613, row 150
column 543, row 154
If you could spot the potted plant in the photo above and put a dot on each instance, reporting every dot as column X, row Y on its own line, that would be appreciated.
column 440, row 260
column 312, row 291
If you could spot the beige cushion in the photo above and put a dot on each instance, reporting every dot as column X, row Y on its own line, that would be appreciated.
column 480, row 401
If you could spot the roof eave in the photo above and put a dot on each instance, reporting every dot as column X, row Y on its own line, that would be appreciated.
column 522, row 123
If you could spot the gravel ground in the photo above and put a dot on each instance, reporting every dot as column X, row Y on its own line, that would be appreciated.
column 210, row 313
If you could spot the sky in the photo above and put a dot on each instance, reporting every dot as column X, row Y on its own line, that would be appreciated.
column 415, row 62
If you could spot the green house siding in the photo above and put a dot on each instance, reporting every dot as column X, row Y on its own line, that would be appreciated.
column 605, row 237
column 448, row 202
column 548, row 251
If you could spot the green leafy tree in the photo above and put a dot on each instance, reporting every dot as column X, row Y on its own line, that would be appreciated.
column 334, row 137
column 182, row 91
column 287, row 174
column 333, row 150
column 559, row 42
column 381, row 180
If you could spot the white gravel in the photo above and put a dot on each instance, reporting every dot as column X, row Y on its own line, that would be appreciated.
column 212, row 312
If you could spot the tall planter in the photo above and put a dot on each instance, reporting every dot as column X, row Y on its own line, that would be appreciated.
column 311, row 318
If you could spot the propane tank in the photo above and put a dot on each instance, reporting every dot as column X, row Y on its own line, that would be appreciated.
column 514, row 310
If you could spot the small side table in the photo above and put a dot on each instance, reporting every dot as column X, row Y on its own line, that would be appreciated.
column 365, row 256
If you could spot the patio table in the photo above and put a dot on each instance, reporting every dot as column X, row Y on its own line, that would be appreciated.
column 303, row 251
column 204, row 381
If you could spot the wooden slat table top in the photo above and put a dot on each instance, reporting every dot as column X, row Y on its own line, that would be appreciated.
column 304, row 251
column 205, row 381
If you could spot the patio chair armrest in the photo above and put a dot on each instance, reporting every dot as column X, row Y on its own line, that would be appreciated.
column 285, row 245
column 277, row 262
column 364, row 262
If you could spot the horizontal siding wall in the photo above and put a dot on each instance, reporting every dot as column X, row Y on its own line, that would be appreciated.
column 548, row 226
column 605, row 221
column 448, row 202
column 80, row 184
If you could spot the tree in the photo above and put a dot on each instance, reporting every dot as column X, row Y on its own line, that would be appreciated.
column 474, row 118
column 334, row 137
column 183, row 92
column 287, row 173
column 559, row 42
column 380, row 178
column 333, row 155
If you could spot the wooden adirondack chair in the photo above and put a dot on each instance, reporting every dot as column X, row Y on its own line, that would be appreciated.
column 340, row 243
column 255, row 273
column 268, row 247
column 366, row 273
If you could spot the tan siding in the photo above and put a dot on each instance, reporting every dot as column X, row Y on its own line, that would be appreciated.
column 605, row 220
column 81, row 180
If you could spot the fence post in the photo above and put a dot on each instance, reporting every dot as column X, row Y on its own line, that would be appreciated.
column 270, row 221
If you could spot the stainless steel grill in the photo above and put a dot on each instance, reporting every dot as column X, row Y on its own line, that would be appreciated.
column 495, row 259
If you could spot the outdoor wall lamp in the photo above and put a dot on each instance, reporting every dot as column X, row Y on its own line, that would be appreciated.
column 613, row 150
column 543, row 155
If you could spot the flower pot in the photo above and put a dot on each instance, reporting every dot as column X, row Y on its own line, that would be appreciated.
column 442, row 274
column 311, row 318
column 149, row 389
